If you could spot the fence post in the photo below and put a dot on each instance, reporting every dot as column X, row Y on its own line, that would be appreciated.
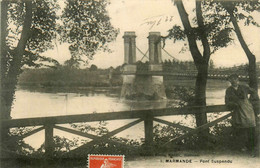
column 49, row 144
column 148, row 133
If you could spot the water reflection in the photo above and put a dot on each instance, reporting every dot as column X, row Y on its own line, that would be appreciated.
column 30, row 103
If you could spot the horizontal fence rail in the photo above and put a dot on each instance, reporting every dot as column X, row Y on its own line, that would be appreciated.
column 25, row 122
column 148, row 117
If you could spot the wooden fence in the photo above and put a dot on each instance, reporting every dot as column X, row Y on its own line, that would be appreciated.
column 148, row 116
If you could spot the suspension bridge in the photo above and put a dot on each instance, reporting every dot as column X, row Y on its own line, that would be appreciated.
column 155, row 58
column 149, row 81
column 134, row 82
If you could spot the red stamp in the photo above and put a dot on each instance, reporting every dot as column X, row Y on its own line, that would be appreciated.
column 105, row 161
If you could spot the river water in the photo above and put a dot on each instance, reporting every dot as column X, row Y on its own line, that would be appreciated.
column 37, row 102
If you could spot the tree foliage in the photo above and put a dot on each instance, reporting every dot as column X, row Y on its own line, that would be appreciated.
column 31, row 27
column 72, row 63
column 93, row 67
column 217, row 23
column 216, row 27
column 87, row 27
column 211, row 29
column 41, row 31
column 241, row 10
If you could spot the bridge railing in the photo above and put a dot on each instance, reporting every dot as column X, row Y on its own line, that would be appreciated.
column 147, row 116
column 186, row 74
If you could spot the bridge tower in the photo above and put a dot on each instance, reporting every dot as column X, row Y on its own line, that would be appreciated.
column 147, row 85
column 129, row 64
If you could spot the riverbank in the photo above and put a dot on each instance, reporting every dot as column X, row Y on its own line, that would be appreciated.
column 66, row 77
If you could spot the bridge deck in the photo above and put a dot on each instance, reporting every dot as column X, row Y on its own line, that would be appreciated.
column 191, row 74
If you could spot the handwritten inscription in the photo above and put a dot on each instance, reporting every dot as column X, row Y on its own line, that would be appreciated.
column 157, row 20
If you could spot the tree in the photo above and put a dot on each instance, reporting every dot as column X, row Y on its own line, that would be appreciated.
column 212, row 32
column 233, row 8
column 87, row 27
column 28, row 28
column 213, row 29
column 200, row 60
column 72, row 63
column 93, row 67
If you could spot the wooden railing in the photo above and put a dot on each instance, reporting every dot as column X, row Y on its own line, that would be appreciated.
column 148, row 116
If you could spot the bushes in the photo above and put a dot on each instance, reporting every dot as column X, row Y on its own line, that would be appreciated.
column 63, row 145
column 163, row 134
column 220, row 139
column 185, row 95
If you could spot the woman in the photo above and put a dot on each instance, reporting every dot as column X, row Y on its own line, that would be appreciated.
column 243, row 118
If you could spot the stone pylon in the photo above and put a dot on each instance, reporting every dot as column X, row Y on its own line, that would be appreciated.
column 155, row 60
column 129, row 64
column 145, row 86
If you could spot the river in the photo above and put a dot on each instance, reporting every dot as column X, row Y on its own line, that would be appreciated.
column 30, row 102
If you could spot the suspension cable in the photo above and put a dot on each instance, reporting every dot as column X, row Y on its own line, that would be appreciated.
column 144, row 55
column 170, row 55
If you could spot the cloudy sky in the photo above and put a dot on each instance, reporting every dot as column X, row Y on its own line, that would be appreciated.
column 144, row 16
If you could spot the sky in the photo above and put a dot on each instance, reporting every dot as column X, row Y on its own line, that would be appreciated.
column 144, row 16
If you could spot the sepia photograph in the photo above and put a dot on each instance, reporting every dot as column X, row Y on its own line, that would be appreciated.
column 130, row 84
